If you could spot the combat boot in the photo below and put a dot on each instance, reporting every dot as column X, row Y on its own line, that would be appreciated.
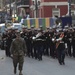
column 20, row 73
column 14, row 70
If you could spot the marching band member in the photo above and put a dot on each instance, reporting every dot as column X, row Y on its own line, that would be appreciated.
column 60, row 46
column 39, row 42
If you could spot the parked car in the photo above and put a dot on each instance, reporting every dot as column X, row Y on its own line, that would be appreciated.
column 17, row 25
column 13, row 25
column 2, row 28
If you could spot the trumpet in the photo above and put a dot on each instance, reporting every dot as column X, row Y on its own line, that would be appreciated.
column 38, row 35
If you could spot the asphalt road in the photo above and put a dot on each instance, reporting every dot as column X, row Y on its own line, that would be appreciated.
column 48, row 66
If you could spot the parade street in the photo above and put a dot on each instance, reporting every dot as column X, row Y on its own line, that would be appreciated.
column 48, row 66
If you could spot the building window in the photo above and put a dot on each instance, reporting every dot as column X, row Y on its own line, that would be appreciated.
column 56, row 12
column 72, row 12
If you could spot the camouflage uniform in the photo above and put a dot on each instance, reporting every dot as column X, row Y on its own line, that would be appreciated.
column 18, row 49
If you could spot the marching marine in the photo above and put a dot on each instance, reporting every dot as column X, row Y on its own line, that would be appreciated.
column 18, row 49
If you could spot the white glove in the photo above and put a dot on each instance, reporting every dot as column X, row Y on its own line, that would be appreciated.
column 11, row 56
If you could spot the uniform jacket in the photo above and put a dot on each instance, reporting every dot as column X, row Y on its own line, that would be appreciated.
column 18, row 47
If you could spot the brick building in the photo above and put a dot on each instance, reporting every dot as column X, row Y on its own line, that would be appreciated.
column 50, row 8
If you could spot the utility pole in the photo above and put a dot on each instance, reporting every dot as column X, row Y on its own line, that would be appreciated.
column 16, row 6
column 36, row 8
column 10, row 9
column 1, row 4
column 69, row 7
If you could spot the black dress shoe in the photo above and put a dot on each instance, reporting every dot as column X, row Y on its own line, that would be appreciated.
column 35, row 57
column 63, row 63
column 60, row 63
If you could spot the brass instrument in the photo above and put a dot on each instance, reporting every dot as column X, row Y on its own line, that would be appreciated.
column 57, row 44
column 38, row 35
column 58, row 21
column 59, row 40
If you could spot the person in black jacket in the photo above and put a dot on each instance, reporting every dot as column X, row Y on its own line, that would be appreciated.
column 39, row 42
column 61, row 49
